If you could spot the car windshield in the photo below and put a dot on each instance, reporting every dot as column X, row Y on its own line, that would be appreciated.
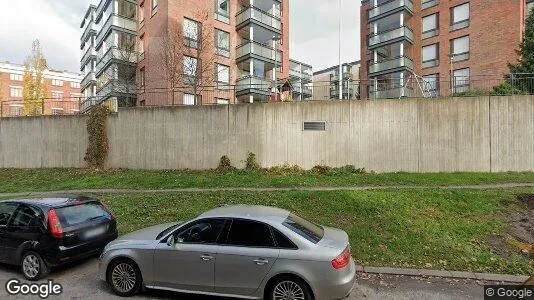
column 306, row 229
column 167, row 231
column 77, row 214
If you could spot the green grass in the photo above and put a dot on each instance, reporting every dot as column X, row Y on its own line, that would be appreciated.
column 22, row 180
column 412, row 228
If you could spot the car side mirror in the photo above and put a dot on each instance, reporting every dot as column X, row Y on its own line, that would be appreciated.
column 171, row 241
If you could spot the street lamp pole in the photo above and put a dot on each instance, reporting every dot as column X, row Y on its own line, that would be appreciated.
column 340, row 83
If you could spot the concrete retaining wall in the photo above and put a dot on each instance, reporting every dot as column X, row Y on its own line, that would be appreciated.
column 463, row 134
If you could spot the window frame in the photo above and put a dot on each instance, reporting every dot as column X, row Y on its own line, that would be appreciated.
column 192, row 42
column 461, row 56
column 465, row 79
column 460, row 24
column 426, row 34
column 222, row 84
column 271, row 233
column 430, row 63
column 16, row 205
column 17, row 89
column 37, row 218
column 188, row 225
column 221, row 51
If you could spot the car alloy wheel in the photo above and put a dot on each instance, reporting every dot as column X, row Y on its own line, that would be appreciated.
column 123, row 277
column 31, row 265
column 288, row 290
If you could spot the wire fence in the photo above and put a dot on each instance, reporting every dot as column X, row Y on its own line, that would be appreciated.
column 258, row 91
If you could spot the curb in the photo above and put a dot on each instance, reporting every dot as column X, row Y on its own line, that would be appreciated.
column 442, row 273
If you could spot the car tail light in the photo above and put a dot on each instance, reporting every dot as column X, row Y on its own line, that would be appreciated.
column 54, row 225
column 342, row 260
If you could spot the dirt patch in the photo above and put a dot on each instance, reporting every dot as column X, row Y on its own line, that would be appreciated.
column 523, row 226
column 528, row 199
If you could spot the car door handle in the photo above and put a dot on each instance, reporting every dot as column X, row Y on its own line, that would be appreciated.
column 206, row 257
column 261, row 261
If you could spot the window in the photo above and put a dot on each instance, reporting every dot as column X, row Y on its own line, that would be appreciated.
column 283, row 241
column 15, row 91
column 15, row 77
column 57, row 95
column 189, row 99
column 223, row 76
column 460, row 48
column 127, row 43
column 142, row 44
column 222, row 11
column 24, row 217
column 190, row 68
column 74, row 85
column 461, row 80
column 154, row 4
column 429, row 3
column 16, row 109
column 57, row 82
column 430, row 26
column 191, row 33
column 77, row 214
column 304, row 228
column 57, row 111
column 431, row 85
column 75, row 97
column 6, row 211
column 250, row 234
column 431, row 56
column 205, row 231
column 460, row 16
column 127, row 9
column 142, row 76
column 222, row 43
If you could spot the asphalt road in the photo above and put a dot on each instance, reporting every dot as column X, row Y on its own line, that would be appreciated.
column 80, row 281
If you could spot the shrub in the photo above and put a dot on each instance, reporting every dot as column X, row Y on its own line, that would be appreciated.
column 251, row 163
column 97, row 149
column 323, row 170
column 507, row 89
column 225, row 164
column 472, row 93
column 351, row 169
column 284, row 170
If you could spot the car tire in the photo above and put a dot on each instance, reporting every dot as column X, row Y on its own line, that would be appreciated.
column 33, row 266
column 124, row 277
column 289, row 286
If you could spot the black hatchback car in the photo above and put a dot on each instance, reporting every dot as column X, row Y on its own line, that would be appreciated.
column 38, row 234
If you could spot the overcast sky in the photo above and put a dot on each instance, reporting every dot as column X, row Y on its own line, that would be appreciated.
column 313, row 27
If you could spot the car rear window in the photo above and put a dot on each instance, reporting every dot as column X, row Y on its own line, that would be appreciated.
column 81, row 213
column 306, row 229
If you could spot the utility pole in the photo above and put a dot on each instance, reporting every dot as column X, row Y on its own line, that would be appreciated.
column 276, row 38
column 340, row 83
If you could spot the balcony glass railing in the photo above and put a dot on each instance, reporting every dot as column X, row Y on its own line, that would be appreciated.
column 87, row 79
column 388, row 7
column 253, row 13
column 88, row 53
column 260, row 50
column 116, row 53
column 391, row 64
column 391, row 93
column 253, row 83
column 391, row 35
column 117, row 21
column 90, row 29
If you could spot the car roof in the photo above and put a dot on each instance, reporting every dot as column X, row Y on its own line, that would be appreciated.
column 256, row 212
column 52, row 201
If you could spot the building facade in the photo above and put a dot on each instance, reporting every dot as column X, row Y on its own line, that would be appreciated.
column 109, row 54
column 226, row 51
column 430, row 48
column 326, row 82
column 301, row 75
column 62, row 96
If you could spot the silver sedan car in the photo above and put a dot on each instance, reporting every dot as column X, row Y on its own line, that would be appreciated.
column 250, row 252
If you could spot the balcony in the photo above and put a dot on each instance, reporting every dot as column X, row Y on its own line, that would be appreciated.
column 346, row 76
column 253, row 15
column 390, row 8
column 115, row 54
column 295, row 73
column 392, row 65
column 89, row 53
column 256, row 50
column 88, row 79
column 391, row 93
column 253, row 85
column 429, row 3
column 88, row 32
column 391, row 36
column 118, row 22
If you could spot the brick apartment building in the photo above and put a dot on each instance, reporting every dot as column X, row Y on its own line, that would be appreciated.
column 251, row 40
column 62, row 97
column 411, row 48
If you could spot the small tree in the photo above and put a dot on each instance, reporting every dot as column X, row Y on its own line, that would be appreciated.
column 523, row 71
column 187, row 57
column 33, row 81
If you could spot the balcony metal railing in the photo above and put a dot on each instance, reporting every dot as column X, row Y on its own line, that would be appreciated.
column 391, row 93
column 253, row 13
column 391, row 35
column 429, row 4
column 392, row 64
column 262, row 51
column 88, row 53
column 116, row 21
column 87, row 79
column 295, row 73
column 254, row 83
column 390, row 7
column 118, row 54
